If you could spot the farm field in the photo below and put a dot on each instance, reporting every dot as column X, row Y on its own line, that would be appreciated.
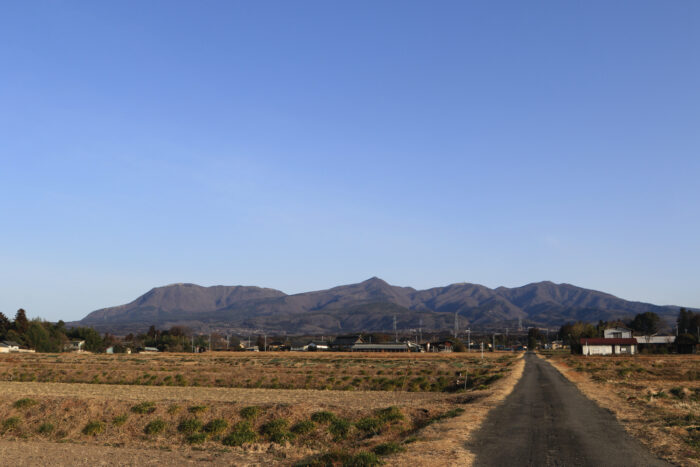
column 656, row 397
column 213, row 415
column 271, row 370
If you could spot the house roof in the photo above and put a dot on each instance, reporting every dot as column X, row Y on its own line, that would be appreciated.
column 608, row 341
column 347, row 340
column 655, row 339
column 400, row 345
column 11, row 343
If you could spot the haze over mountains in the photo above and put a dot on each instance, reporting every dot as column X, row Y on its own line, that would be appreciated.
column 365, row 306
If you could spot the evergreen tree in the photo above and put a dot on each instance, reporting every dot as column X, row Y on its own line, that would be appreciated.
column 21, row 321
column 646, row 323
column 5, row 325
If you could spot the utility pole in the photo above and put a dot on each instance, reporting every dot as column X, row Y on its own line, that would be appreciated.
column 396, row 334
column 209, row 342
column 456, row 324
column 420, row 330
column 227, row 341
column 494, row 342
column 265, row 350
column 482, row 350
column 192, row 343
column 469, row 340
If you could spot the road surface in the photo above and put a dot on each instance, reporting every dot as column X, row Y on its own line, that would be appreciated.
column 546, row 421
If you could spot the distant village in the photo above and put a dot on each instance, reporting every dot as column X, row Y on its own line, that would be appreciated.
column 641, row 335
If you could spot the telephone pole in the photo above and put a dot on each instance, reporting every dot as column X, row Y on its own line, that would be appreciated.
column 456, row 324
column 396, row 334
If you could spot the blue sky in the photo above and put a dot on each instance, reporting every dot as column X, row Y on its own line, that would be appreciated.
column 302, row 145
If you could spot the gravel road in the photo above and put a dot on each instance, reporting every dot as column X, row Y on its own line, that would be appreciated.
column 546, row 421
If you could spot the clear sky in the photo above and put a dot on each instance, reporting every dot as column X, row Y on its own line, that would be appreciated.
column 300, row 145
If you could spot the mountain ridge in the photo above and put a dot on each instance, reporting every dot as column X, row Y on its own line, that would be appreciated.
column 364, row 306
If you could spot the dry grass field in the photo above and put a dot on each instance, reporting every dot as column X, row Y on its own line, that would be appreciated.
column 656, row 397
column 272, row 370
column 235, row 408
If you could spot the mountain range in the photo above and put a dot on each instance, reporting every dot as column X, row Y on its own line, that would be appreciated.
column 366, row 306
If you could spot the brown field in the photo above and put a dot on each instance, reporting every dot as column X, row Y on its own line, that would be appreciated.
column 271, row 370
column 205, row 414
column 656, row 397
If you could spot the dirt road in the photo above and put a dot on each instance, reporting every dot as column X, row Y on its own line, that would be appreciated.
column 546, row 421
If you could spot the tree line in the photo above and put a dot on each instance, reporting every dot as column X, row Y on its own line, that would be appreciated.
column 44, row 336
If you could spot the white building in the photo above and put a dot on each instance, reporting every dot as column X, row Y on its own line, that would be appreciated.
column 608, row 346
column 617, row 333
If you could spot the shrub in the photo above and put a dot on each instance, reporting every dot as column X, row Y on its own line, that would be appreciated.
column 24, row 403
column 339, row 428
column 677, row 392
column 11, row 423
column 196, row 438
column 241, row 433
column 144, row 408
column 189, row 426
column 195, row 409
column 216, row 426
column 250, row 413
column 276, row 430
column 386, row 449
column 94, row 428
column 173, row 409
column 303, row 427
column 390, row 414
column 119, row 420
column 45, row 429
column 370, row 426
column 323, row 417
column 362, row 459
column 155, row 427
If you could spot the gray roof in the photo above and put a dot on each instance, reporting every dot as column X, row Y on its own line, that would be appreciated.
column 392, row 346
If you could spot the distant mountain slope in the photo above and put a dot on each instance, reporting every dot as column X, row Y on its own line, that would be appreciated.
column 368, row 305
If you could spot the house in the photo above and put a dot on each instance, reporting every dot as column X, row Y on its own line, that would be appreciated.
column 149, row 350
column 388, row 347
column 277, row 346
column 110, row 350
column 617, row 333
column 346, row 342
column 9, row 346
column 75, row 346
column 608, row 346
column 316, row 346
column 438, row 346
